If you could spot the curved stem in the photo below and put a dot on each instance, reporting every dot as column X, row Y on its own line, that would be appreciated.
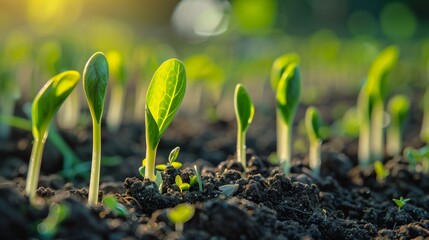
column 96, row 163
column 34, row 168
column 314, row 157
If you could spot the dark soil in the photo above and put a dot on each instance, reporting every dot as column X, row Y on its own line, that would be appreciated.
column 346, row 202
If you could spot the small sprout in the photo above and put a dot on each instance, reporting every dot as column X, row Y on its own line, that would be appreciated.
column 313, row 124
column 163, row 99
column 398, row 108
column 171, row 160
column 371, row 107
column 244, row 111
column 158, row 181
column 414, row 156
column 193, row 180
column 49, row 226
column 288, row 96
column 400, row 202
column 200, row 182
column 95, row 77
column 180, row 214
column 117, row 208
column 45, row 106
column 179, row 182
column 229, row 189
column 380, row 171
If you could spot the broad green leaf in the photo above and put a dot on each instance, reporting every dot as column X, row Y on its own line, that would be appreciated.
column 181, row 213
column 173, row 154
column 166, row 92
column 289, row 92
column 244, row 109
column 380, row 67
column 313, row 123
column 279, row 66
column 152, row 136
column 49, row 100
column 95, row 78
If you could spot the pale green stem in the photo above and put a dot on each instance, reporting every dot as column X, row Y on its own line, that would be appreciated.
column 115, row 112
column 34, row 168
column 284, row 145
column 364, row 155
column 314, row 157
column 280, row 136
column 376, row 144
column 150, row 163
column 96, row 163
column 241, row 148
column 393, row 140
column 179, row 227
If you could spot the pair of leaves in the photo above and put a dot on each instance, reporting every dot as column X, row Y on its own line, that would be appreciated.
column 179, row 182
column 163, row 99
column 172, row 157
column 279, row 67
column 400, row 202
column 49, row 100
column 289, row 92
column 244, row 109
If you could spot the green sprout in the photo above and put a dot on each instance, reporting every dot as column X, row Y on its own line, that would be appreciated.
column 49, row 226
column 199, row 180
column 117, row 72
column 313, row 124
column 179, row 182
column 371, row 107
column 117, row 208
column 172, row 157
column 380, row 171
column 163, row 99
column 398, row 108
column 287, row 98
column 424, row 132
column 45, row 105
column 95, row 77
column 400, row 202
column 180, row 214
column 244, row 112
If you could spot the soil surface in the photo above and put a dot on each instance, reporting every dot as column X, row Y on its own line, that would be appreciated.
column 345, row 202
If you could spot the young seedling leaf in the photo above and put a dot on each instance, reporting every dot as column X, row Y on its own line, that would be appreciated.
column 399, row 107
column 181, row 213
column 161, row 167
column 279, row 66
column 166, row 92
column 289, row 92
column 229, row 189
column 117, row 208
column 176, row 165
column 49, row 100
column 243, row 106
column 400, row 202
column 153, row 135
column 95, row 78
column 200, row 182
column 193, row 180
column 178, row 180
column 313, row 123
column 173, row 155
column 380, row 171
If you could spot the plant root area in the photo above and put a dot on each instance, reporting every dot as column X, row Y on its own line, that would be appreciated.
column 345, row 202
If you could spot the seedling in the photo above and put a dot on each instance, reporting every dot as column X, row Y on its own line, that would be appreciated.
column 163, row 99
column 380, row 171
column 95, row 77
column 179, row 182
column 400, row 202
column 117, row 208
column 180, row 214
column 371, row 107
column 49, row 226
column 288, row 95
column 116, row 103
column 200, row 182
column 172, row 157
column 313, row 123
column 285, row 81
column 45, row 105
column 398, row 108
column 244, row 112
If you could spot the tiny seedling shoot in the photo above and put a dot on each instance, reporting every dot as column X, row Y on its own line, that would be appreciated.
column 163, row 99
column 371, row 107
column 313, row 123
column 95, row 77
column 400, row 202
column 287, row 96
column 172, row 160
column 45, row 106
column 180, row 214
column 398, row 108
column 244, row 112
